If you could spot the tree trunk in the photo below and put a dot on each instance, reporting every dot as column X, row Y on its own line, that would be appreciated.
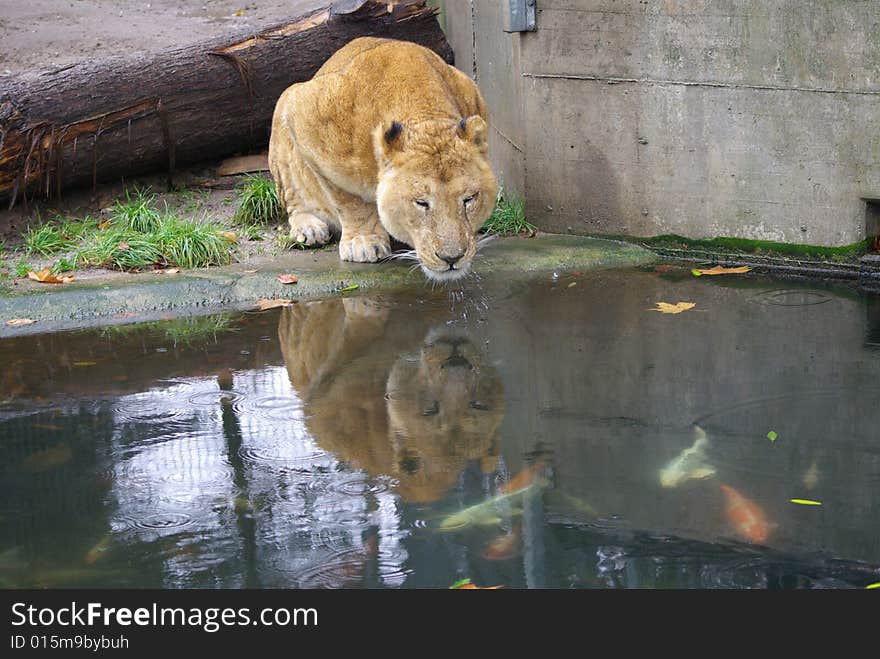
column 122, row 116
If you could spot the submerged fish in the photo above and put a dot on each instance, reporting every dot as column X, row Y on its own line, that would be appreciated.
column 811, row 477
column 504, row 546
column 745, row 516
column 488, row 511
column 52, row 457
column 524, row 478
column 95, row 553
column 690, row 464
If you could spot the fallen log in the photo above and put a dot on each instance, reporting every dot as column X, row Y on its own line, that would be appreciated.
column 118, row 117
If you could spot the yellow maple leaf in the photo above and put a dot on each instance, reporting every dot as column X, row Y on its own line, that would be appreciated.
column 720, row 270
column 668, row 307
column 45, row 276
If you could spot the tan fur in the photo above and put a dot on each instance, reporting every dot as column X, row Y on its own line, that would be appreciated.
column 382, row 125
column 418, row 417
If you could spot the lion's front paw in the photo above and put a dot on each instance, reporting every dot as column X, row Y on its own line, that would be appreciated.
column 307, row 229
column 364, row 248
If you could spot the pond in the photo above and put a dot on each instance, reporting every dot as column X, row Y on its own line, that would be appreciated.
column 552, row 433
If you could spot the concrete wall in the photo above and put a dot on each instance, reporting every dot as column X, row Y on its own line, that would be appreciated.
column 703, row 118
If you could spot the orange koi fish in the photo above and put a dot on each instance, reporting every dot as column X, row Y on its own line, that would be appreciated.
column 523, row 479
column 746, row 517
column 504, row 546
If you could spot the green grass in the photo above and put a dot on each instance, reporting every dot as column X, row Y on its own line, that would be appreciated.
column 508, row 218
column 192, row 244
column 46, row 240
column 121, row 249
column 21, row 268
column 181, row 331
column 258, row 201
column 64, row 264
column 285, row 241
column 138, row 212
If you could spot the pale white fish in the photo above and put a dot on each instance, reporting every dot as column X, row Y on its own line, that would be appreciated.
column 690, row 464
column 489, row 511
column 811, row 477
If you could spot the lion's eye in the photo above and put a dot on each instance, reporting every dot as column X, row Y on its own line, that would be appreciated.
column 422, row 203
column 468, row 200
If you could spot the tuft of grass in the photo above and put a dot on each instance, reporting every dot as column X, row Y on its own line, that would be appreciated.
column 508, row 218
column 137, row 212
column 46, row 240
column 192, row 244
column 185, row 331
column 121, row 249
column 285, row 241
column 258, row 201
column 22, row 268
column 252, row 232
column 64, row 264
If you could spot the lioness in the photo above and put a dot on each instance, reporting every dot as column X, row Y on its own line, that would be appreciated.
column 386, row 138
column 419, row 417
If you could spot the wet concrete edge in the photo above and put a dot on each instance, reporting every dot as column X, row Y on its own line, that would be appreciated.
column 128, row 298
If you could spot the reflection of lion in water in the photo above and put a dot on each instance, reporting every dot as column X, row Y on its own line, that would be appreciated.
column 418, row 417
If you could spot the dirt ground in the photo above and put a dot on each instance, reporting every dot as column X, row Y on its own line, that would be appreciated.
column 48, row 34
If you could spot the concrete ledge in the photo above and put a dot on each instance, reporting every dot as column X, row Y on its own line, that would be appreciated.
column 125, row 298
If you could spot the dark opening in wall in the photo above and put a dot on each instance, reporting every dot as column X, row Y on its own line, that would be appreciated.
column 872, row 223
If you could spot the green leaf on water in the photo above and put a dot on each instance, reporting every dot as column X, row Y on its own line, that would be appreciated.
column 460, row 583
column 806, row 502
column 872, row 586
column 696, row 273
column 352, row 287
column 772, row 435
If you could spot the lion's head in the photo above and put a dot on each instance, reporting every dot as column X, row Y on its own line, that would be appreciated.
column 435, row 189
column 444, row 407
column 420, row 416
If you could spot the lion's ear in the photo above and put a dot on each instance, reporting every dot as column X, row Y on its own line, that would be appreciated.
column 387, row 138
column 474, row 130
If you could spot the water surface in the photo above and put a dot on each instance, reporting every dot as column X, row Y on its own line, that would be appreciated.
column 554, row 434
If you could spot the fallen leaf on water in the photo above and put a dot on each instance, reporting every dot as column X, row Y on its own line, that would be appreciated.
column 465, row 584
column 720, row 270
column 17, row 322
column 352, row 287
column 249, row 272
column 264, row 304
column 287, row 279
column 806, row 502
column 667, row 307
column 229, row 236
column 772, row 435
column 574, row 283
column 45, row 276
column 84, row 363
column 872, row 586
column 166, row 271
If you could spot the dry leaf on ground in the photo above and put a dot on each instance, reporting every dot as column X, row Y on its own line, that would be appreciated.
column 720, row 270
column 264, row 304
column 18, row 322
column 287, row 279
column 667, row 307
column 166, row 271
column 45, row 276
column 229, row 236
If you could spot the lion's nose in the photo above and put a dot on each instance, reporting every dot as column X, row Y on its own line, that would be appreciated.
column 451, row 260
